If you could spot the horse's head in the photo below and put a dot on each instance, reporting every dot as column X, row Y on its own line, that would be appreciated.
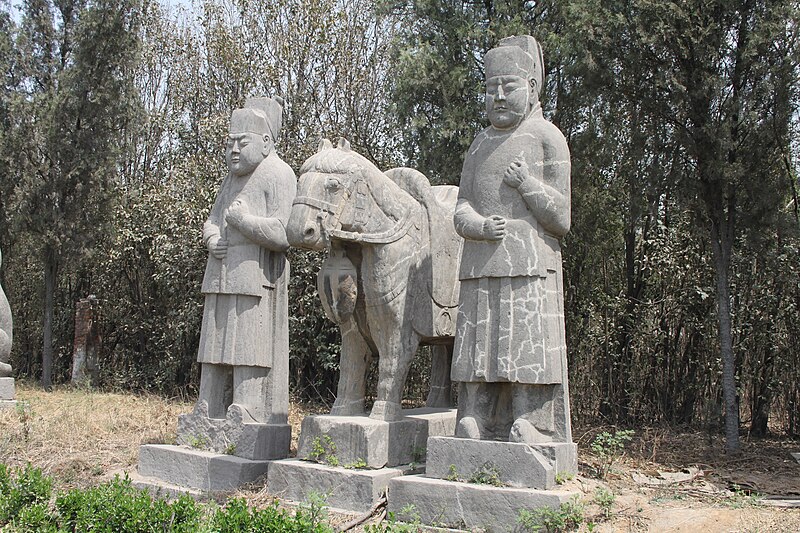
column 333, row 195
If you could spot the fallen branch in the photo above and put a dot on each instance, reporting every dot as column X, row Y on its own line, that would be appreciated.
column 380, row 504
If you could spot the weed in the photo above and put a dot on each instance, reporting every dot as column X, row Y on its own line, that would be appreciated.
column 563, row 477
column 418, row 453
column 604, row 499
column 452, row 474
column 568, row 517
column 323, row 450
column 358, row 464
column 487, row 474
column 198, row 442
column 608, row 448
column 230, row 449
column 391, row 525
column 25, row 415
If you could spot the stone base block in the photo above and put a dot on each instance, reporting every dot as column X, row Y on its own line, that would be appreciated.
column 254, row 441
column 8, row 404
column 465, row 505
column 516, row 464
column 7, row 389
column 197, row 469
column 351, row 490
column 377, row 443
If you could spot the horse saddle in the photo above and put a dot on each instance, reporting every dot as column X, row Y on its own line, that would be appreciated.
column 445, row 244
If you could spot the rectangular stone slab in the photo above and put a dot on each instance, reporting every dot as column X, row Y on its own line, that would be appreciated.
column 379, row 444
column 516, row 464
column 351, row 490
column 465, row 505
column 8, row 404
column 7, row 389
column 197, row 469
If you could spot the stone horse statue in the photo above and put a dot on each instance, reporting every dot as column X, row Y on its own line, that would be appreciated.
column 391, row 278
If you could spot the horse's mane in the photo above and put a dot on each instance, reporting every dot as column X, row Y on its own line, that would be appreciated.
column 338, row 160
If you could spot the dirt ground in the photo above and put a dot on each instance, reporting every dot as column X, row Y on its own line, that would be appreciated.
column 667, row 480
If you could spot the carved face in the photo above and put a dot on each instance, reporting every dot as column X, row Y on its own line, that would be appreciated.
column 244, row 152
column 507, row 99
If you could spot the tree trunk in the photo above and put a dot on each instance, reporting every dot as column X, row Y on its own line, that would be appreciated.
column 50, row 273
column 721, row 243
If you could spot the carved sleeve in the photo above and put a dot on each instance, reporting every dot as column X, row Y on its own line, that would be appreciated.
column 547, row 190
column 468, row 222
column 270, row 231
column 212, row 227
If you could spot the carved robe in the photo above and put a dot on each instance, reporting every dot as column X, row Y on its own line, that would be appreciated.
column 245, row 316
column 510, row 325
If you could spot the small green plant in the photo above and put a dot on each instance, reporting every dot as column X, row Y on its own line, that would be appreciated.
column 608, row 448
column 487, row 474
column 25, row 415
column 358, row 464
column 452, row 474
column 418, row 453
column 198, row 442
column 230, row 449
column 740, row 498
column 568, row 517
column 323, row 450
column 563, row 477
column 20, row 491
column 604, row 499
column 314, row 510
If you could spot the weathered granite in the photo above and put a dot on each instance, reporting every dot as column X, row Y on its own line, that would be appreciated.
column 376, row 442
column 243, row 401
column 515, row 464
column 347, row 489
column 197, row 469
column 6, row 339
column 466, row 505
column 7, row 389
column 513, row 209
column 390, row 278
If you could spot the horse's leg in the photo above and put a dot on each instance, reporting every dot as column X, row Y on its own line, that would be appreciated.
column 354, row 363
column 397, row 343
column 440, row 393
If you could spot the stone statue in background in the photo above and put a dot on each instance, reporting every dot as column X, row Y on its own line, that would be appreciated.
column 7, row 389
column 244, row 340
column 513, row 209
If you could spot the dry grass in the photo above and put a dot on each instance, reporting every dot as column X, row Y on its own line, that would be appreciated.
column 80, row 436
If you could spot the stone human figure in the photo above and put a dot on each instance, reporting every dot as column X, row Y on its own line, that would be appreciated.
column 6, row 328
column 244, row 340
column 513, row 209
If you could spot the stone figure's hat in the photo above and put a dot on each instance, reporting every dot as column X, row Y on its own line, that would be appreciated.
column 261, row 116
column 519, row 55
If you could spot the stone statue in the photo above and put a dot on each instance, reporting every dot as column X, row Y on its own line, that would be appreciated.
column 513, row 209
column 244, row 340
column 6, row 327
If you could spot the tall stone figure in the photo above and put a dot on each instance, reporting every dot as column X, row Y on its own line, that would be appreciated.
column 244, row 340
column 513, row 209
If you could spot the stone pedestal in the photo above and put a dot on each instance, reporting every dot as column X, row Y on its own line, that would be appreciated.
column 7, row 393
column 165, row 466
column 379, row 444
column 232, row 436
column 515, row 464
column 454, row 491
column 366, row 453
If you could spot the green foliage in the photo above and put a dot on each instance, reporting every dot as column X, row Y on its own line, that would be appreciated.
column 23, row 492
column 608, row 447
column 563, row 477
column 452, row 473
column 323, row 450
column 487, row 474
column 604, row 498
column 237, row 517
column 568, row 517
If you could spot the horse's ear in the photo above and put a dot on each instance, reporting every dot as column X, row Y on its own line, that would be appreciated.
column 343, row 144
column 324, row 144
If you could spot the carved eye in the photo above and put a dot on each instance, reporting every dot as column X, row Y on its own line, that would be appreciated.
column 333, row 184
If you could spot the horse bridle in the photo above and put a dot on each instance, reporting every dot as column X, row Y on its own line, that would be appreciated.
column 328, row 211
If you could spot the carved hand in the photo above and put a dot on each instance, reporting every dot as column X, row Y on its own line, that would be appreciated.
column 516, row 173
column 494, row 228
column 218, row 247
column 236, row 212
